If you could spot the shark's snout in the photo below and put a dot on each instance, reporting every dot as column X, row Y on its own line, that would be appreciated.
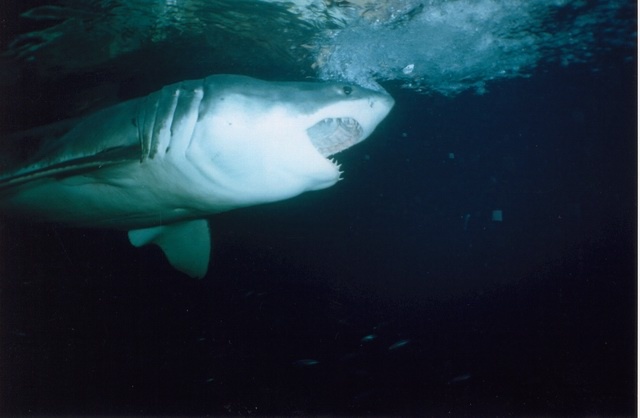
column 348, row 122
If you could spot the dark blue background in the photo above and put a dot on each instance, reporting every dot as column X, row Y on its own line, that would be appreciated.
column 532, row 315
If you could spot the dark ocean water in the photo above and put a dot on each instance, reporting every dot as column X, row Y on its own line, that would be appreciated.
column 392, row 293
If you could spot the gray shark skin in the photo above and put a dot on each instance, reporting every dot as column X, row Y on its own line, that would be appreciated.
column 159, row 165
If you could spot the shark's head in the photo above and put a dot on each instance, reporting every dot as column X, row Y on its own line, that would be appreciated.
column 269, row 141
column 347, row 115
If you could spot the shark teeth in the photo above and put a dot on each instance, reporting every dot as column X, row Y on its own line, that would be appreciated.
column 338, row 166
column 332, row 135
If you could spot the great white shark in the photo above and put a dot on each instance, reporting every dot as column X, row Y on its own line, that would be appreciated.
column 158, row 166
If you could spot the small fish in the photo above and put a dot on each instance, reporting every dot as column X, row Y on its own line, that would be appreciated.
column 368, row 338
column 399, row 344
column 305, row 362
column 459, row 379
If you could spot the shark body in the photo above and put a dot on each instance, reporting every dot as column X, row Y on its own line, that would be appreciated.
column 159, row 165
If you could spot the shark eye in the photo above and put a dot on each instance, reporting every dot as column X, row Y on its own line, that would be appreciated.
column 347, row 90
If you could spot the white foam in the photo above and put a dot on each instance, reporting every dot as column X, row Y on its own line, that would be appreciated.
column 455, row 45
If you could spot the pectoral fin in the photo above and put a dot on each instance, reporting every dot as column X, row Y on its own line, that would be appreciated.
column 187, row 245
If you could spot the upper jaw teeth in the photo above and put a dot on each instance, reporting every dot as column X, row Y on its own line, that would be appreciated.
column 332, row 135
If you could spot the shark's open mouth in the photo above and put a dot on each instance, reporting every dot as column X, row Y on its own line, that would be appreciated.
column 332, row 135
